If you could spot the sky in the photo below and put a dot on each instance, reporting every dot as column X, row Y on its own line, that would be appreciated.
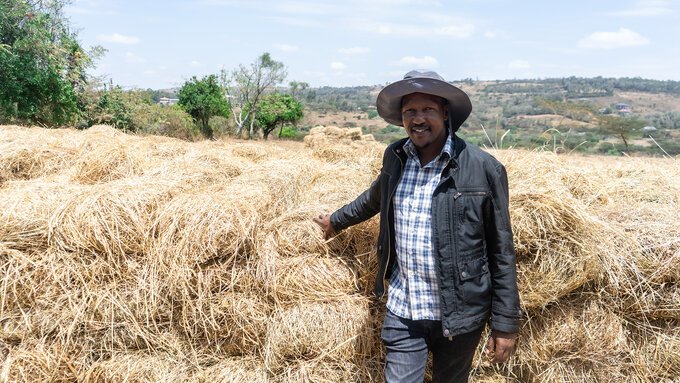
column 162, row 44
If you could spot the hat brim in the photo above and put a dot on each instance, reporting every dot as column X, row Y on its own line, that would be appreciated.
column 389, row 99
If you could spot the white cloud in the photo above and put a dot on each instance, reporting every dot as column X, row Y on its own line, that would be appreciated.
column 459, row 31
column 647, row 8
column 287, row 47
column 337, row 65
column 519, row 64
column 610, row 40
column 133, row 58
column 418, row 62
column 490, row 34
column 195, row 64
column 117, row 38
column 354, row 50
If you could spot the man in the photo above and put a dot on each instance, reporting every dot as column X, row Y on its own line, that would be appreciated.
column 445, row 244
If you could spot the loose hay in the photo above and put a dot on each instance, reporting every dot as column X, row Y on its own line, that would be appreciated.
column 229, row 323
column 113, row 219
column 26, row 208
column 235, row 370
column 138, row 368
column 555, row 247
column 215, row 224
column 322, row 372
column 335, row 331
column 579, row 336
column 42, row 362
column 311, row 278
column 102, row 164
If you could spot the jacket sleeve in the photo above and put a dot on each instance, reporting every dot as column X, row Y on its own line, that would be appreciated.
column 505, row 309
column 365, row 206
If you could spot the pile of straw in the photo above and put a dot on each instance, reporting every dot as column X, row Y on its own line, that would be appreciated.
column 148, row 259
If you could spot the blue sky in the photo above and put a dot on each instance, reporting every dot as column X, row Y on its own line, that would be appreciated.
column 161, row 44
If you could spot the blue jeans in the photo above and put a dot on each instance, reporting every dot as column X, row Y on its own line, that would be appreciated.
column 408, row 342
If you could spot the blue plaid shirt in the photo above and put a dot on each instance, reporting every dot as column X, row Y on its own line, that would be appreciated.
column 413, row 291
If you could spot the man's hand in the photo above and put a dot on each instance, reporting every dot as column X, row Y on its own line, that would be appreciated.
column 324, row 220
column 500, row 346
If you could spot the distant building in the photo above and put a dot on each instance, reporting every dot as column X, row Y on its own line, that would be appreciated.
column 622, row 108
column 648, row 129
column 168, row 101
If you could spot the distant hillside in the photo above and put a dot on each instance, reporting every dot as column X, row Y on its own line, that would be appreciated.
column 562, row 113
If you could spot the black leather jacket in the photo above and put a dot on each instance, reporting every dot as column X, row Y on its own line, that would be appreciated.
column 471, row 236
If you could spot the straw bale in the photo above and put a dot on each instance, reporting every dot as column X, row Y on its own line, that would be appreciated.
column 106, row 161
column 314, row 140
column 336, row 331
column 333, row 185
column 112, row 219
column 655, row 350
column 571, row 338
column 556, row 245
column 655, row 227
column 235, row 370
column 535, row 171
column 311, row 278
column 295, row 233
column 284, row 181
column 197, row 167
column 27, row 160
column 25, row 210
column 39, row 361
column 213, row 224
column 253, row 152
column 230, row 323
column 138, row 368
column 320, row 371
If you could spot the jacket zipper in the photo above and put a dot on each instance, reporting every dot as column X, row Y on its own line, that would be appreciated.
column 459, row 194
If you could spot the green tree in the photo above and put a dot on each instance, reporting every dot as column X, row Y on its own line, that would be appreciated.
column 42, row 65
column 246, row 86
column 275, row 110
column 203, row 99
column 623, row 127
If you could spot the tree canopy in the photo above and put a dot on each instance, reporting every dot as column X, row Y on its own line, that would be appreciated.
column 42, row 64
column 203, row 99
column 277, row 109
column 246, row 86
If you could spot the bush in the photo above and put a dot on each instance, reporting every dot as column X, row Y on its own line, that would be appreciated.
column 169, row 121
column 221, row 126
column 291, row 133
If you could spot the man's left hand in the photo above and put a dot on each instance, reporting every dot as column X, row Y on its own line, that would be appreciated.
column 500, row 346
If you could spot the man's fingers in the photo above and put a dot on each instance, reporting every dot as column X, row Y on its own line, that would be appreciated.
column 490, row 346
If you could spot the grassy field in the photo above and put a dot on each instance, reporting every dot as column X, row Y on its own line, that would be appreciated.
column 147, row 259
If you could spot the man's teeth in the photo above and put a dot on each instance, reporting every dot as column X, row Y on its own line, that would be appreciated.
column 419, row 129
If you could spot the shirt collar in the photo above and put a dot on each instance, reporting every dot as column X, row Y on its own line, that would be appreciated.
column 446, row 153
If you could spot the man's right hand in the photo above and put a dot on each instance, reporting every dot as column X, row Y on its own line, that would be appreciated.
column 324, row 220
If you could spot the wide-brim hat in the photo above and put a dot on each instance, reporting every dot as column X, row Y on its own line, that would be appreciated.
column 428, row 82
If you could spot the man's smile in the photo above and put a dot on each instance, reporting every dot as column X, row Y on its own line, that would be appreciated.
column 419, row 129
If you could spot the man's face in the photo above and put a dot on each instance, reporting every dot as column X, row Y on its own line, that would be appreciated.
column 424, row 118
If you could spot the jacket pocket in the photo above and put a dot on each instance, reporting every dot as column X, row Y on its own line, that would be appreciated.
column 475, row 280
